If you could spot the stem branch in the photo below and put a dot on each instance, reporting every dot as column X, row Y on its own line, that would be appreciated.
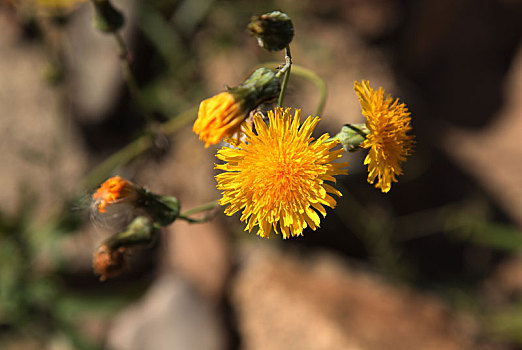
column 286, row 71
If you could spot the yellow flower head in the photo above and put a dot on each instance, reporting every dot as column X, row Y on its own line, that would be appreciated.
column 218, row 117
column 278, row 175
column 388, row 122
column 115, row 190
column 63, row 4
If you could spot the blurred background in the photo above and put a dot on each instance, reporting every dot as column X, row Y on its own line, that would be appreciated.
column 434, row 264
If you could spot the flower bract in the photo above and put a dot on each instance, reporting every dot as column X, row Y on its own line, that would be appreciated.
column 388, row 122
column 279, row 175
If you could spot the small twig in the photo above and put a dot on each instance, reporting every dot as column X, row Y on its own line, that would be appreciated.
column 286, row 71
column 129, row 78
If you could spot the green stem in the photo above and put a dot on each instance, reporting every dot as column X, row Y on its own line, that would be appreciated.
column 135, row 148
column 286, row 71
column 358, row 130
column 310, row 76
column 128, row 76
column 373, row 231
column 200, row 208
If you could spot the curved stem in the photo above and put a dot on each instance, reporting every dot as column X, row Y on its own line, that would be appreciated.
column 135, row 148
column 198, row 209
column 309, row 75
column 286, row 71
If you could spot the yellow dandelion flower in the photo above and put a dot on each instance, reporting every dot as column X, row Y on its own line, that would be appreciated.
column 218, row 117
column 388, row 122
column 115, row 190
column 278, row 175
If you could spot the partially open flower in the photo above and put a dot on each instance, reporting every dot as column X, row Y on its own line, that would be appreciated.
column 388, row 124
column 222, row 115
column 218, row 116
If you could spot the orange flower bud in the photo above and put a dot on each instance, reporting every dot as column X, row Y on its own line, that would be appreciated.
column 115, row 190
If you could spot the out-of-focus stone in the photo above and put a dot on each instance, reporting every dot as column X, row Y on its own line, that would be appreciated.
column 493, row 155
column 286, row 302
column 39, row 152
column 199, row 252
column 95, row 76
column 171, row 315
column 505, row 283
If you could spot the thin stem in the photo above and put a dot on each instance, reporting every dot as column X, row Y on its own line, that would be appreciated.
column 286, row 70
column 373, row 231
column 194, row 221
column 309, row 75
column 357, row 130
column 200, row 208
column 135, row 148
column 128, row 76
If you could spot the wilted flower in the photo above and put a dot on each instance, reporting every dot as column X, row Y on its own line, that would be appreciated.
column 116, row 190
column 388, row 123
column 117, row 201
column 109, row 262
column 278, row 175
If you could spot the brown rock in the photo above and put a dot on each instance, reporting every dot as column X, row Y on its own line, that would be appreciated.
column 286, row 302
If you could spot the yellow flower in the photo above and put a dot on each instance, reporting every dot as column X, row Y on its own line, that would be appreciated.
column 278, row 175
column 115, row 190
column 63, row 4
column 388, row 122
column 218, row 117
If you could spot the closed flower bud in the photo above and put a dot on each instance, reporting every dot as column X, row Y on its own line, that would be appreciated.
column 274, row 31
column 351, row 136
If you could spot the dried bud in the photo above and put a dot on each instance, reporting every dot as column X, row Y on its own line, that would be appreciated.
column 274, row 31
column 116, row 190
column 109, row 262
column 118, row 201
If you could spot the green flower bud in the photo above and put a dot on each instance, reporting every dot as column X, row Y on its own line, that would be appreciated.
column 260, row 87
column 352, row 135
